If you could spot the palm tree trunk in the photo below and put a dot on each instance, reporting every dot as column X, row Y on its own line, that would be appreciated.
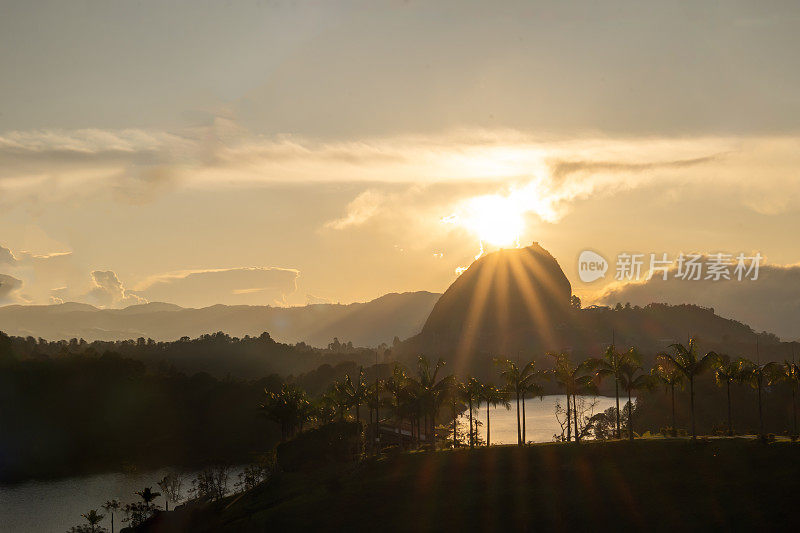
column 691, row 403
column 569, row 418
column 433, row 428
column 455, row 420
column 471, row 431
column 760, row 411
column 794, row 409
column 377, row 415
column 488, row 427
column 630, row 416
column 519, row 425
column 524, row 431
column 674, row 420
column 575, row 417
column 616, row 395
column 730, row 423
column 370, row 432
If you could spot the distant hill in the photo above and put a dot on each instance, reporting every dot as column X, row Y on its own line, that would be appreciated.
column 516, row 302
column 364, row 324
column 503, row 298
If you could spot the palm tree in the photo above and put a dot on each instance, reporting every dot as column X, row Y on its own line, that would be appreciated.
column 575, row 379
column 687, row 360
column 147, row 495
column 111, row 506
column 288, row 407
column 519, row 381
column 609, row 365
column 667, row 373
column 727, row 371
column 492, row 397
column 759, row 376
column 93, row 518
column 790, row 371
column 355, row 392
column 430, row 391
column 337, row 399
column 470, row 392
column 374, row 401
column 396, row 386
column 630, row 381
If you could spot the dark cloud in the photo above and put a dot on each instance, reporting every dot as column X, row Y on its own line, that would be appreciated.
column 770, row 303
column 254, row 286
column 562, row 168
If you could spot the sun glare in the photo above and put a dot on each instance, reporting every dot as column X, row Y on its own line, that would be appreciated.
column 494, row 219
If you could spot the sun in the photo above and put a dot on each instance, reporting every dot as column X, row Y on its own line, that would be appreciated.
column 496, row 220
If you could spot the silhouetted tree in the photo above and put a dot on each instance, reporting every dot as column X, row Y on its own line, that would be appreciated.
column 93, row 518
column 667, row 373
column 574, row 379
column 517, row 382
column 471, row 394
column 171, row 486
column 791, row 373
column 289, row 407
column 111, row 507
column 429, row 391
column 759, row 376
column 727, row 371
column 492, row 397
column 632, row 378
column 692, row 365
column 609, row 366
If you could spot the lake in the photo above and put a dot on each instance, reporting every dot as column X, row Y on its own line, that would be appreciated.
column 540, row 420
column 55, row 506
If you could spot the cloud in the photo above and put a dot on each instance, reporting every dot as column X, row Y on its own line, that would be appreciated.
column 769, row 303
column 232, row 286
column 108, row 291
column 9, row 285
column 359, row 211
column 39, row 272
column 6, row 257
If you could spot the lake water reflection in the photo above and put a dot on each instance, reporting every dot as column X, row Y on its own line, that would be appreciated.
column 540, row 419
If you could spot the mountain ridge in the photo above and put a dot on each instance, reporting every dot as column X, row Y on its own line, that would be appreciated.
column 364, row 323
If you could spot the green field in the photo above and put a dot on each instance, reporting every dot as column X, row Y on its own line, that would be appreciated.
column 656, row 485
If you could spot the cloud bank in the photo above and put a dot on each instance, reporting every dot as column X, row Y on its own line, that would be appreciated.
column 770, row 303
column 198, row 288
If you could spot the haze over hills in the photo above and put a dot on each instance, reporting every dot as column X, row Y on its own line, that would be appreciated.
column 364, row 324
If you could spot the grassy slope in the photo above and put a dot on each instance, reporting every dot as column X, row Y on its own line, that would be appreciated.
column 653, row 485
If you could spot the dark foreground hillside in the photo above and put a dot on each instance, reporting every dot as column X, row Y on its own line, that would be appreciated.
column 645, row 485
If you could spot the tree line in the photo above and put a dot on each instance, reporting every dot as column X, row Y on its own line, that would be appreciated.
column 427, row 402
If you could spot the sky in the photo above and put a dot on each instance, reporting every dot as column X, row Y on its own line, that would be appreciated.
column 284, row 153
